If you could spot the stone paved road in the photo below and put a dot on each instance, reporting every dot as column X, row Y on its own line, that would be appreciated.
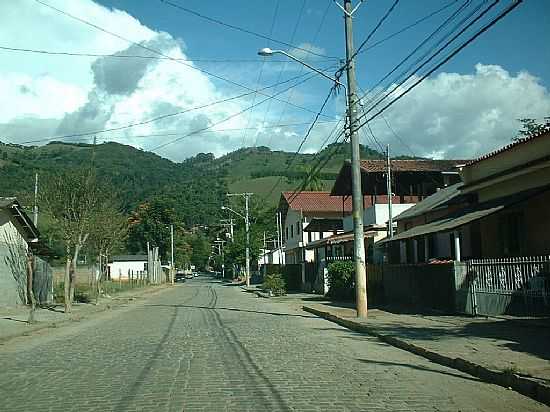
column 202, row 346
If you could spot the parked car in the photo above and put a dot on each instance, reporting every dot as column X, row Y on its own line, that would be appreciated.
column 180, row 277
column 195, row 274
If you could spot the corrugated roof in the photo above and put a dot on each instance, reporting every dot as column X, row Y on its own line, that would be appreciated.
column 431, row 202
column 545, row 134
column 317, row 202
column 468, row 215
column 417, row 165
column 7, row 201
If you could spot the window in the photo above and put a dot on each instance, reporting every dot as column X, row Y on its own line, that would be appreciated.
column 511, row 236
column 309, row 236
column 297, row 228
column 291, row 230
column 286, row 237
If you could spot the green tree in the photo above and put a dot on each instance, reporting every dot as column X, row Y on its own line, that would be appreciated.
column 530, row 127
column 200, row 250
column 151, row 222
column 71, row 199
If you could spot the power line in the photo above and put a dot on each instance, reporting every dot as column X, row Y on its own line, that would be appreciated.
column 230, row 116
column 306, row 135
column 127, row 126
column 216, row 76
column 284, row 66
column 500, row 16
column 437, row 52
column 241, row 29
column 318, row 31
column 131, row 56
column 410, row 26
column 380, row 22
column 261, row 72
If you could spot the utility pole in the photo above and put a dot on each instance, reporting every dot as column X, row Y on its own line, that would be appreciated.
column 172, row 269
column 35, row 209
column 390, row 193
column 247, row 221
column 357, row 193
column 247, row 228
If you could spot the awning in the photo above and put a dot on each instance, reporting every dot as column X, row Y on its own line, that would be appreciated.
column 324, row 225
column 467, row 215
column 344, row 237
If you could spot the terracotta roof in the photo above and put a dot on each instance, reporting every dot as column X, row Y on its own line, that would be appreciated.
column 317, row 202
column 509, row 146
column 419, row 165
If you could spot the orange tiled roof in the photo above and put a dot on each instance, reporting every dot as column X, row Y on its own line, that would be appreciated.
column 417, row 165
column 317, row 202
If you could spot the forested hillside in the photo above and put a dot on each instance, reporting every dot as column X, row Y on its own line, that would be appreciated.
column 194, row 188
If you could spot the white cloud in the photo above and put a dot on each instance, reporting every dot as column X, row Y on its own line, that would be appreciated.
column 464, row 115
column 449, row 115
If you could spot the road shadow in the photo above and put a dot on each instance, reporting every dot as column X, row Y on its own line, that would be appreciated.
column 236, row 310
column 15, row 320
column 419, row 368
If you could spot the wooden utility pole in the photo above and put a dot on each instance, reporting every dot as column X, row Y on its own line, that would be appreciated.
column 389, row 192
column 357, row 193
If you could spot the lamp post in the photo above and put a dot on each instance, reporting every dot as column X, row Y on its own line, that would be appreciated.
column 247, row 228
column 357, row 194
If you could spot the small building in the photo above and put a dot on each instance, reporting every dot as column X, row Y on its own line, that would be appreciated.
column 299, row 210
column 498, row 211
column 17, row 233
column 124, row 266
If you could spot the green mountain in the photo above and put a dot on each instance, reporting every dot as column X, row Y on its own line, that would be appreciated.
column 195, row 188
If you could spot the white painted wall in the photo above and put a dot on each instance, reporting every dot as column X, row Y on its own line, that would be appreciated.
column 10, row 233
column 300, row 238
column 377, row 214
column 119, row 270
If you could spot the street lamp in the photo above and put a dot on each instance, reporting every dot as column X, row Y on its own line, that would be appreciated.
column 267, row 52
column 247, row 225
column 357, row 194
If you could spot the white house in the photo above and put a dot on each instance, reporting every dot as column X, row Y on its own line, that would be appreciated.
column 17, row 231
column 122, row 266
column 301, row 209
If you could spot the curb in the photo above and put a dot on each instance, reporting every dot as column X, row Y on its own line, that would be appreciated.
column 526, row 386
column 64, row 322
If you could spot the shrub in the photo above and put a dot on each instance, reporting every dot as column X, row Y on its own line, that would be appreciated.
column 274, row 283
column 341, row 279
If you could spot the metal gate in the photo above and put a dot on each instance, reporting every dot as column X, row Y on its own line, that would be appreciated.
column 517, row 286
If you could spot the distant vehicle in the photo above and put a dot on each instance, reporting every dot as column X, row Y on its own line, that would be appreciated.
column 189, row 276
column 195, row 274
column 180, row 277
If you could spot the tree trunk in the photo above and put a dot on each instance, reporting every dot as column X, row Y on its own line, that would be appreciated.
column 30, row 292
column 68, row 300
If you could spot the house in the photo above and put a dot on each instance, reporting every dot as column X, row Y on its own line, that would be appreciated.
column 299, row 210
column 17, row 234
column 124, row 266
column 498, row 210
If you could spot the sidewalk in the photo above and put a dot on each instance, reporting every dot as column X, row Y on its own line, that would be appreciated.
column 504, row 351
column 13, row 321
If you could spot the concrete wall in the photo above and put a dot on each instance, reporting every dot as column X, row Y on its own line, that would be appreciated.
column 10, row 234
column 119, row 270
column 377, row 214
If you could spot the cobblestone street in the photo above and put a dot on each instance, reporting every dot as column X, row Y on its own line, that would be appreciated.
column 203, row 346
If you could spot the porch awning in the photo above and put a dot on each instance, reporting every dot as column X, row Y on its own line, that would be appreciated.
column 324, row 225
column 467, row 215
column 342, row 238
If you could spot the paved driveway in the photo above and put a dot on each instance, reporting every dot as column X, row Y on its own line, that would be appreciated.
column 205, row 346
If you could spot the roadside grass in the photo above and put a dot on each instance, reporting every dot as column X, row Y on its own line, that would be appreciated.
column 85, row 293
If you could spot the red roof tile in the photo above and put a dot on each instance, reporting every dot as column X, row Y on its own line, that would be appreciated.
column 420, row 165
column 317, row 202
column 509, row 146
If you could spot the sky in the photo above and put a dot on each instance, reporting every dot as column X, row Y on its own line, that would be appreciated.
column 210, row 92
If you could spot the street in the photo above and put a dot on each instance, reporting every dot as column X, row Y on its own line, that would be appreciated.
column 204, row 346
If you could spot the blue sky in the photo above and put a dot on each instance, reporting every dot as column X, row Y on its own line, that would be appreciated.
column 468, row 107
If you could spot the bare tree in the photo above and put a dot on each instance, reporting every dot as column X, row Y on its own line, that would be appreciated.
column 108, row 232
column 71, row 199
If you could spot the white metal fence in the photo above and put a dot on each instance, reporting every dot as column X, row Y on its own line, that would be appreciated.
column 508, row 275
